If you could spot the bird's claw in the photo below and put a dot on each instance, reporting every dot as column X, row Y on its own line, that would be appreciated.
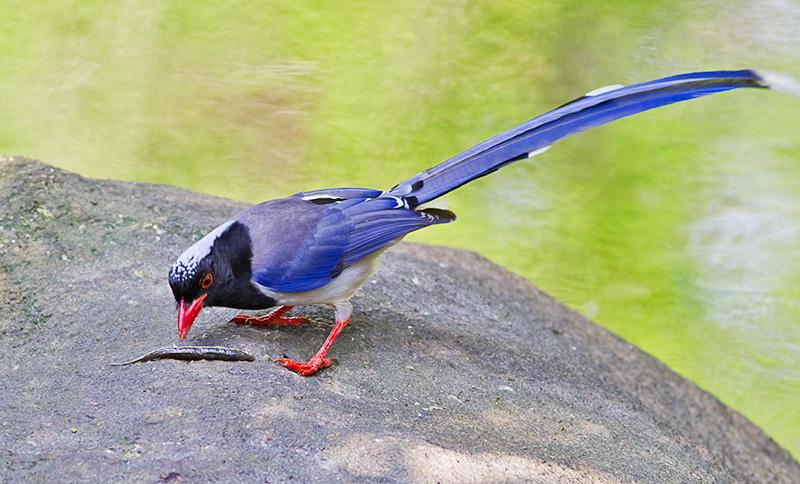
column 308, row 368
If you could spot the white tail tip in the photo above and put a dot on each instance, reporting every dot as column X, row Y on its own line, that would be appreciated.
column 781, row 83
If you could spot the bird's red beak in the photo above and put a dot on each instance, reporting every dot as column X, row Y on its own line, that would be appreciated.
column 186, row 315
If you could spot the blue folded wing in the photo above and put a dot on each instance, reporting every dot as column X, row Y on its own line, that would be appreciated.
column 380, row 223
column 343, row 232
column 297, row 244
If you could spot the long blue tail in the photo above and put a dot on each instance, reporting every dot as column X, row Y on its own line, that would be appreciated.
column 594, row 109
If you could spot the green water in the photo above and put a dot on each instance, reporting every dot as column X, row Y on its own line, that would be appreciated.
column 678, row 229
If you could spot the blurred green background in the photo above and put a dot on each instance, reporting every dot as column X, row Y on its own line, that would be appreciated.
column 678, row 229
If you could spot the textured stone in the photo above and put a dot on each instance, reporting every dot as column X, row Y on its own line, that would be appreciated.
column 453, row 369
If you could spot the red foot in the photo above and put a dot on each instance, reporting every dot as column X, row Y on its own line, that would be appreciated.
column 315, row 364
column 273, row 318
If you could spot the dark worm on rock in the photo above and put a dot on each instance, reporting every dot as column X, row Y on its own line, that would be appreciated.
column 192, row 353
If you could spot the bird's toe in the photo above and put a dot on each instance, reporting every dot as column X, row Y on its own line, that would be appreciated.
column 307, row 368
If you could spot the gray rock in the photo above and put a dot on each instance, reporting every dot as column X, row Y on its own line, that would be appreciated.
column 452, row 370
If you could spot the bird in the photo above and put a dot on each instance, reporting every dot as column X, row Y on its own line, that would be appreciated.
column 318, row 247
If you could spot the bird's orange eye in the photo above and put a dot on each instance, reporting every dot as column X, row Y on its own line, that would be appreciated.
column 207, row 280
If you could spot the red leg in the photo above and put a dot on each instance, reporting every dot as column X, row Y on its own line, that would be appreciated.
column 273, row 318
column 317, row 362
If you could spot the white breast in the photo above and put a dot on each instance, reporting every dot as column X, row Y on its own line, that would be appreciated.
column 341, row 288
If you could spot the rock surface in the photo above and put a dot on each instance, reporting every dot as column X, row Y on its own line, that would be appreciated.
column 453, row 370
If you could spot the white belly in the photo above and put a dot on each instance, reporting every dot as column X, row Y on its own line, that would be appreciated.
column 341, row 288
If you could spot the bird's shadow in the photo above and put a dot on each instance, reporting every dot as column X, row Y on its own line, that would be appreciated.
column 268, row 340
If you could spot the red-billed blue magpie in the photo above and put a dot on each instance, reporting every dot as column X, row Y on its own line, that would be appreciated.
column 319, row 247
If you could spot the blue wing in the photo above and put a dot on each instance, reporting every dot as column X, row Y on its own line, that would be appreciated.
column 378, row 223
column 313, row 236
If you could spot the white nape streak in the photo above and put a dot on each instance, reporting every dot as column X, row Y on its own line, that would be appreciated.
column 603, row 90
column 202, row 247
column 539, row 151
column 780, row 82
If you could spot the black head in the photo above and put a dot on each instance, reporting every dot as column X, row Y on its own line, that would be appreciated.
column 193, row 279
column 215, row 271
